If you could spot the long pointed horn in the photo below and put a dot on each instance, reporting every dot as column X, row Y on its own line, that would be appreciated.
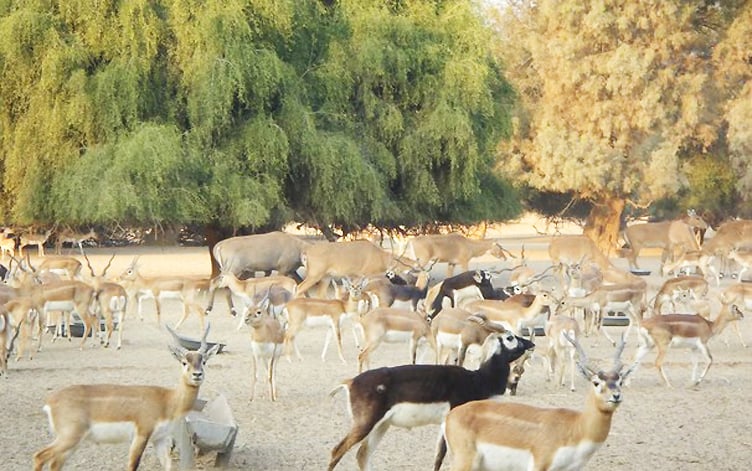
column 617, row 355
column 204, row 345
column 582, row 362
column 107, row 267
column 88, row 262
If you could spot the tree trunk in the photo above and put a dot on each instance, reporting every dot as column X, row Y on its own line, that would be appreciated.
column 213, row 234
column 603, row 224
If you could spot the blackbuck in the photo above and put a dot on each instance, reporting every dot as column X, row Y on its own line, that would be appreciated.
column 669, row 236
column 75, row 238
column 33, row 238
column 72, row 297
column 25, row 316
column 243, row 256
column 493, row 435
column 113, row 302
column 730, row 235
column 140, row 287
column 480, row 280
column 666, row 295
column 446, row 328
column 743, row 259
column 452, row 249
column 65, row 267
column 515, row 313
column 358, row 258
column 384, row 293
column 108, row 413
column 415, row 395
column 607, row 298
column 561, row 352
column 267, row 341
column 393, row 325
column 739, row 294
column 569, row 250
column 7, row 243
column 683, row 330
column 303, row 313
column 8, row 336
column 693, row 261
column 247, row 289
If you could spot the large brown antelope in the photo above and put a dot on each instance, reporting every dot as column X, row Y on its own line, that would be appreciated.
column 117, row 412
column 687, row 330
column 493, row 435
column 669, row 236
column 358, row 258
column 730, row 235
column 243, row 256
column 453, row 249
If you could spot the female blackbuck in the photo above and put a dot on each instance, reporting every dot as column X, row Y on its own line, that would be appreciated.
column 687, row 330
column 414, row 395
column 116, row 412
column 558, row 330
column 267, row 340
column 493, row 435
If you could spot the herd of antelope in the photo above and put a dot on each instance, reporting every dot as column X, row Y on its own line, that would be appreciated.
column 480, row 333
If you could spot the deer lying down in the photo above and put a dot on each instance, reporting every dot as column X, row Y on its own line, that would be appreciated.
column 495, row 435
column 413, row 395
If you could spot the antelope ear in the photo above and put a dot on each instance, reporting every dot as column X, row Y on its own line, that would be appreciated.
column 478, row 277
column 177, row 352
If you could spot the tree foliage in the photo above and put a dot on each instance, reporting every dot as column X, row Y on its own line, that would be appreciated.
column 250, row 113
column 617, row 95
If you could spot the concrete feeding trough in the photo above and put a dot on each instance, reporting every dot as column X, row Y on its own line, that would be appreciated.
column 209, row 427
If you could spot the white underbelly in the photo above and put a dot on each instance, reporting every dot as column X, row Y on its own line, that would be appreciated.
column 448, row 340
column 573, row 458
column 111, row 432
column 397, row 336
column 318, row 321
column 59, row 306
column 684, row 342
column 491, row 457
column 409, row 415
column 265, row 349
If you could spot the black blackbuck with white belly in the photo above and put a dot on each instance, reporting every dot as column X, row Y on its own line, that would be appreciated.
column 414, row 395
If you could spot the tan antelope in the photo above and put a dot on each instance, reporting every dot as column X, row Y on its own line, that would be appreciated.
column 514, row 313
column 453, row 249
column 7, row 243
column 69, row 236
column 65, row 267
column 113, row 302
column 669, row 236
column 267, row 342
column 358, row 258
column 568, row 250
column 692, row 262
column 72, row 297
column 743, row 259
column 683, row 330
column 33, row 238
column 302, row 313
column 493, row 435
column 739, row 294
column 246, row 290
column 446, row 328
column 559, row 329
column 666, row 295
column 107, row 413
column 392, row 325
column 25, row 316
column 185, row 289
column 730, row 235
column 7, row 336
column 243, row 256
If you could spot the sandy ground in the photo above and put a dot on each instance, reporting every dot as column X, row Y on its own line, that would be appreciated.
column 684, row 428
